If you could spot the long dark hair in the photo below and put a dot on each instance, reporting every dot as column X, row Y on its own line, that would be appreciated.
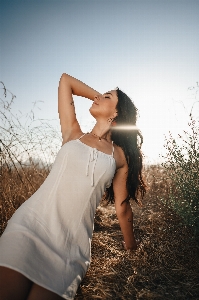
column 130, row 141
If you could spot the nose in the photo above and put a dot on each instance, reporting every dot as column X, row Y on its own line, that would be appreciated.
column 96, row 97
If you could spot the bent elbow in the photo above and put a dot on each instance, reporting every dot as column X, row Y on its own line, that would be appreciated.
column 63, row 76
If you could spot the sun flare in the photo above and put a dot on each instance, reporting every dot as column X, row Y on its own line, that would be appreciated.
column 124, row 127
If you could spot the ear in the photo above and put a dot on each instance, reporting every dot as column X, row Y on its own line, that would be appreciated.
column 113, row 123
column 115, row 115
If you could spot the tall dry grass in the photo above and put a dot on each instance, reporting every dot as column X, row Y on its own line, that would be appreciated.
column 27, row 148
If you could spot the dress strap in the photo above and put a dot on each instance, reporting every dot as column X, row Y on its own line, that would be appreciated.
column 82, row 136
column 112, row 149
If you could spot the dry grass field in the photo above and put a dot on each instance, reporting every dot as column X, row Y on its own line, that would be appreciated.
column 166, row 264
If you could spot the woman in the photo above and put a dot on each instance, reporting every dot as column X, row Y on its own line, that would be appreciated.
column 45, row 249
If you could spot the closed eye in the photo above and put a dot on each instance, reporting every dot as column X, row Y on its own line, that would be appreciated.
column 106, row 95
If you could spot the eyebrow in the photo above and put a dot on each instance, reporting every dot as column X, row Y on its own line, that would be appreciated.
column 109, row 93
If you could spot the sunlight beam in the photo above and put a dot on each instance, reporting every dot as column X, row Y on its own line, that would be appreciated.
column 124, row 127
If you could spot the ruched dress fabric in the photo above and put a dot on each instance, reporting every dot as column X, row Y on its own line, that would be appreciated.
column 48, row 239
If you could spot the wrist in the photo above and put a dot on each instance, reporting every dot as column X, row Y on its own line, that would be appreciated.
column 132, row 246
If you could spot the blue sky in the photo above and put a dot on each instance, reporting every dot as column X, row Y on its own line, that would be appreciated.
column 147, row 48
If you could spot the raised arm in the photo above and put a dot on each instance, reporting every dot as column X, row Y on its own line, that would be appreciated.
column 124, row 211
column 69, row 86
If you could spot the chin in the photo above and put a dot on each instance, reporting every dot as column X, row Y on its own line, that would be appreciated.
column 92, row 112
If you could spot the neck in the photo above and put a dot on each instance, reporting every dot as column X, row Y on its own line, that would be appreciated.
column 102, row 130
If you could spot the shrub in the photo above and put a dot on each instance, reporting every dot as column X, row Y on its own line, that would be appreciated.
column 182, row 165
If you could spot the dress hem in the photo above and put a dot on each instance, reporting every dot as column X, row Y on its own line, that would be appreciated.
column 35, row 281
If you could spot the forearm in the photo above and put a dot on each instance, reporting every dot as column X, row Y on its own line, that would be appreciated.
column 125, row 217
column 79, row 88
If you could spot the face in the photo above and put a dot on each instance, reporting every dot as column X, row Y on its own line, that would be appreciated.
column 104, row 106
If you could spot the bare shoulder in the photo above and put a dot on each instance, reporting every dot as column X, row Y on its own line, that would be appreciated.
column 120, row 157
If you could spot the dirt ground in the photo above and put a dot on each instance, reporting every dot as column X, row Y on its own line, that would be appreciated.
column 165, row 266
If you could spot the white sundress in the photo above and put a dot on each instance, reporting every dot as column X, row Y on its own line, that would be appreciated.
column 48, row 239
